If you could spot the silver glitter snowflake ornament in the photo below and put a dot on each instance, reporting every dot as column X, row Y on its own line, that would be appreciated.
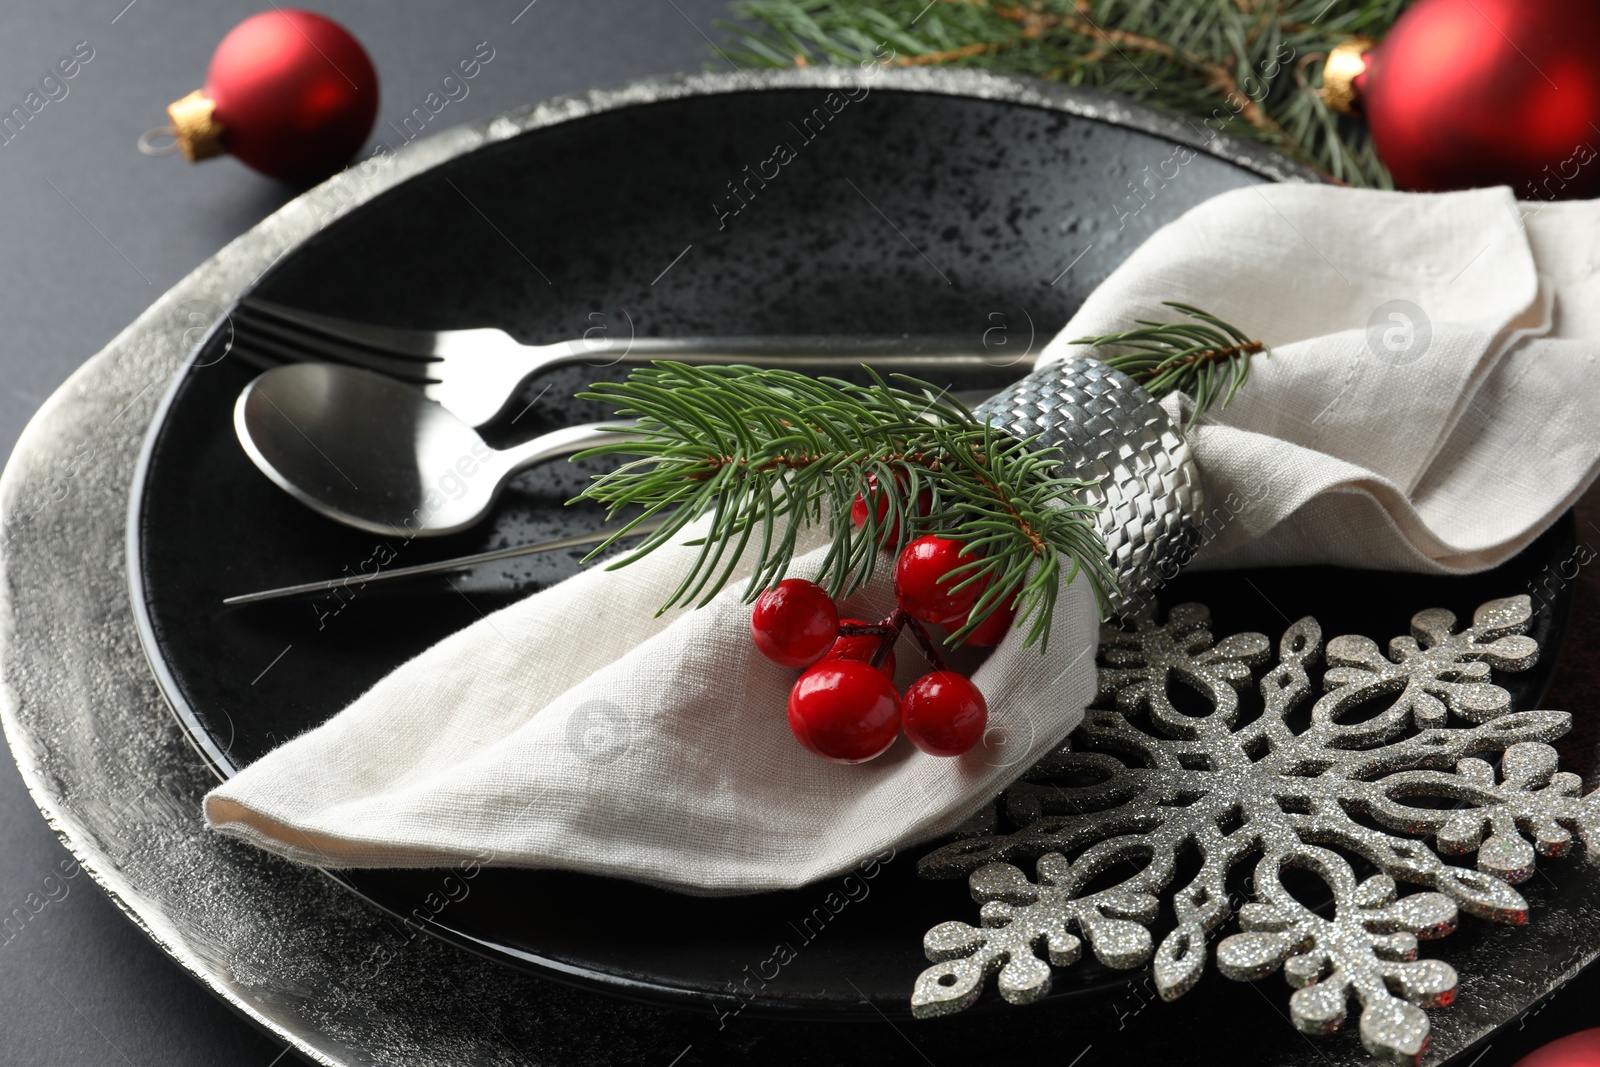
column 1136, row 787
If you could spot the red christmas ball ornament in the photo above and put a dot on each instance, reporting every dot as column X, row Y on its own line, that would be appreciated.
column 1581, row 1049
column 289, row 93
column 1469, row 93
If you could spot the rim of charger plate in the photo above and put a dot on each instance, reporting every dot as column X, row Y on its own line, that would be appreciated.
column 345, row 193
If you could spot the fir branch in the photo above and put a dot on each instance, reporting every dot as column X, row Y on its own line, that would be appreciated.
column 1190, row 357
column 1247, row 67
column 763, row 453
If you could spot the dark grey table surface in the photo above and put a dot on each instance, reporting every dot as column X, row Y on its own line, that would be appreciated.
column 90, row 233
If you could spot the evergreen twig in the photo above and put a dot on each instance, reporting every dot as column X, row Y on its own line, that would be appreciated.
column 1247, row 67
column 1172, row 357
column 763, row 453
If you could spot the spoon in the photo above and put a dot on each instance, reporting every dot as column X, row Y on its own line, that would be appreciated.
column 374, row 453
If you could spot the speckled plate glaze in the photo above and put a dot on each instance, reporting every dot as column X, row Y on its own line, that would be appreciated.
column 343, row 981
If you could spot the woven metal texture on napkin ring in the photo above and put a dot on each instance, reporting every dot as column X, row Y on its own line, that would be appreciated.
column 1115, row 436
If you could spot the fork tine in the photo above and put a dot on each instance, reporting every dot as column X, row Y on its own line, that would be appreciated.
column 415, row 344
column 254, row 342
column 313, row 347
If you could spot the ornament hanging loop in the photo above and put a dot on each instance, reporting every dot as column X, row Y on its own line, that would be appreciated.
column 151, row 143
column 1310, row 59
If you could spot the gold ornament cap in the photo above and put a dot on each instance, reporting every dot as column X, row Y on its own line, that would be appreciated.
column 194, row 126
column 1344, row 64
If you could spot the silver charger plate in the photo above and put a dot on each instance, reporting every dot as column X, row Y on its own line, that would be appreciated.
column 335, row 978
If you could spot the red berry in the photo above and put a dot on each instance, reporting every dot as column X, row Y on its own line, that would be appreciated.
column 844, row 710
column 891, row 536
column 859, row 648
column 944, row 713
column 993, row 630
column 921, row 584
column 794, row 623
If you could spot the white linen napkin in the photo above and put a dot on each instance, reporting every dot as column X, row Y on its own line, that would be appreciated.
column 1431, row 403
column 576, row 730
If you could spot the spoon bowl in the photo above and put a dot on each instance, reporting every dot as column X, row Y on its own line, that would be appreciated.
column 374, row 453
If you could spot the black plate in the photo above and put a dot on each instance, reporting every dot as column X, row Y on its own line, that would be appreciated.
column 910, row 212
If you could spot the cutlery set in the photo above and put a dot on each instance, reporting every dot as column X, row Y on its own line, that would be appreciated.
column 476, row 373
column 375, row 427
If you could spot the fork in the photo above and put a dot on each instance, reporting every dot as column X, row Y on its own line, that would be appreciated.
column 476, row 372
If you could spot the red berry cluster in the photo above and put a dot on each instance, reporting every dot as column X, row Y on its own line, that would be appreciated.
column 845, row 706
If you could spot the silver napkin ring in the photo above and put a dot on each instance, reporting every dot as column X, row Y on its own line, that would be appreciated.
column 1115, row 436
